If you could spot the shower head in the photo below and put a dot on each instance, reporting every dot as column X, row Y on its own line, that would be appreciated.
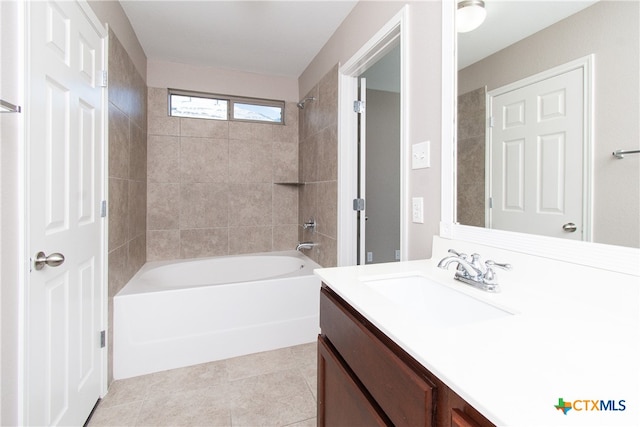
column 304, row 101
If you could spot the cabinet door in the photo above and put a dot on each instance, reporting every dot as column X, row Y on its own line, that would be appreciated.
column 406, row 397
column 341, row 402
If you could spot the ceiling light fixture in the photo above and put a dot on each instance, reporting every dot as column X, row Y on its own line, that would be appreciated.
column 470, row 15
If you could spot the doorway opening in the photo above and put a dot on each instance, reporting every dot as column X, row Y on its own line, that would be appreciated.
column 371, row 169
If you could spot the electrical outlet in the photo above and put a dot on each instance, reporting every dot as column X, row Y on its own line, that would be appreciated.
column 369, row 256
column 397, row 254
column 417, row 210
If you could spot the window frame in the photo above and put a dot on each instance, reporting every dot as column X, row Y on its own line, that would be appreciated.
column 231, row 101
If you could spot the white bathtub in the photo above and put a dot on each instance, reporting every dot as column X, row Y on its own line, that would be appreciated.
column 180, row 313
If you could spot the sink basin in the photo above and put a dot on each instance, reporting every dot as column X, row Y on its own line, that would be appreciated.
column 433, row 302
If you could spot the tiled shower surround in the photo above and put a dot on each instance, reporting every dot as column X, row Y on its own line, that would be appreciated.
column 213, row 185
column 319, row 168
column 127, row 210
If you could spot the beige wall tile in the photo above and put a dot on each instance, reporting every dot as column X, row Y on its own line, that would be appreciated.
column 326, row 208
column 250, row 161
column 204, row 242
column 204, row 128
column 138, row 153
column 163, row 244
column 137, row 216
column 327, row 154
column 163, row 206
column 251, row 131
column 164, row 125
column 308, row 200
column 118, row 212
column 285, row 162
column 285, row 204
column 118, row 143
column 157, row 104
column 285, row 237
column 137, row 253
column 246, row 240
column 117, row 269
column 204, row 205
column 309, row 159
column 204, row 160
column 163, row 159
column 328, row 99
column 250, row 204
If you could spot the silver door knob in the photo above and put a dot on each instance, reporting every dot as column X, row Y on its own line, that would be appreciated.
column 569, row 227
column 52, row 260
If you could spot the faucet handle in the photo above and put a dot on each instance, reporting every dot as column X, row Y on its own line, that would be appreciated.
column 490, row 264
column 460, row 255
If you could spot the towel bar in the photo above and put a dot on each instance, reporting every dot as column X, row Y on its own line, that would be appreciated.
column 619, row 154
column 7, row 107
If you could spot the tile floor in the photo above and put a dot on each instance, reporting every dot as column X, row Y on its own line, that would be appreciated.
column 274, row 388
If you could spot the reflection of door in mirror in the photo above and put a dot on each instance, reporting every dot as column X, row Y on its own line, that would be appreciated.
column 609, row 31
column 535, row 152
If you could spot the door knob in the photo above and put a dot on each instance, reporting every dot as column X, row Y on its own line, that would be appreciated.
column 569, row 227
column 52, row 260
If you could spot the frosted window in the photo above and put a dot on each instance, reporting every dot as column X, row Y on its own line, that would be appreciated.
column 199, row 108
column 223, row 107
column 257, row 113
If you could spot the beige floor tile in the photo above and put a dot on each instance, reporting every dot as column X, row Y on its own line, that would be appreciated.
column 189, row 378
column 260, row 363
column 282, row 411
column 120, row 415
column 127, row 391
column 183, row 409
column 274, row 388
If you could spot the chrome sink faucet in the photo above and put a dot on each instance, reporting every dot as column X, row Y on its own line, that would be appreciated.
column 473, row 272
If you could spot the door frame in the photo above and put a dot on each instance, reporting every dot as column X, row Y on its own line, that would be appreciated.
column 586, row 64
column 383, row 41
column 23, row 391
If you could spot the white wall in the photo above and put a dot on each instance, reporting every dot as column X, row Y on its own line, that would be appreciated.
column 424, row 112
column 222, row 81
column 11, row 212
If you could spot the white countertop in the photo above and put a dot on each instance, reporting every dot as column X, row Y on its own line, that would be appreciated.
column 574, row 334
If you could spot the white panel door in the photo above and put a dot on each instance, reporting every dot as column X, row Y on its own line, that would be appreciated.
column 65, row 137
column 536, row 158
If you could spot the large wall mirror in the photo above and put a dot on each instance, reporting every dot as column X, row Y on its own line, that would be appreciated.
column 497, row 68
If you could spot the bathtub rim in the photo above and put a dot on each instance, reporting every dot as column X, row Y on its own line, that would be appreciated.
column 309, row 265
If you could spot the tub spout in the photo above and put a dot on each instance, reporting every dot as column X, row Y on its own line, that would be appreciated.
column 305, row 245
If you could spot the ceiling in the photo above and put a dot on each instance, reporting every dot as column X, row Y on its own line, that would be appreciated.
column 282, row 37
column 267, row 37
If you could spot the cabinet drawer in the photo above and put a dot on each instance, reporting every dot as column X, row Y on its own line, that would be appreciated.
column 404, row 395
column 341, row 402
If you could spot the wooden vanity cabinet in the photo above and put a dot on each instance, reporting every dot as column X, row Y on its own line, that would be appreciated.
column 366, row 379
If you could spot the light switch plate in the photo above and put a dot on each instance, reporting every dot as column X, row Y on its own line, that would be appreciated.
column 420, row 155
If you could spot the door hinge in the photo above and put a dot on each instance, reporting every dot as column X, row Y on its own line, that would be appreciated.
column 490, row 121
column 105, row 78
column 358, row 205
column 490, row 202
column 103, row 339
column 358, row 107
column 103, row 209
